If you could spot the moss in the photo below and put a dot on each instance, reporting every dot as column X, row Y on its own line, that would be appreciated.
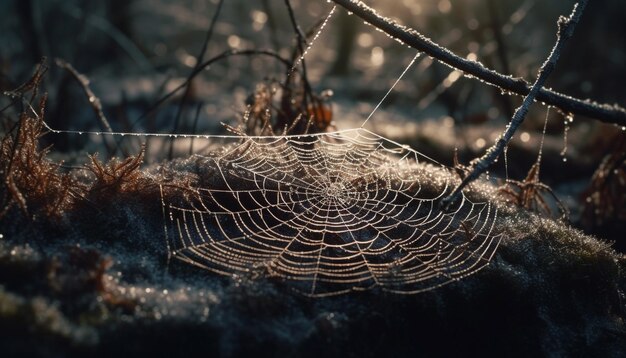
column 100, row 284
column 36, row 319
column 549, row 290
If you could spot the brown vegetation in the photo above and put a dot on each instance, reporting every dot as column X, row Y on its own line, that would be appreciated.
column 605, row 198
column 531, row 194
column 30, row 181
column 116, row 176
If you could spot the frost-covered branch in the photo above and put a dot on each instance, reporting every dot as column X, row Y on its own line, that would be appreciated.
column 480, row 165
column 603, row 112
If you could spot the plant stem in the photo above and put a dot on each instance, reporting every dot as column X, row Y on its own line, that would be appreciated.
column 603, row 112
column 193, row 73
column 566, row 26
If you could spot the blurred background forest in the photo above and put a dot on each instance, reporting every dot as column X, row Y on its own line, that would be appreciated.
column 134, row 52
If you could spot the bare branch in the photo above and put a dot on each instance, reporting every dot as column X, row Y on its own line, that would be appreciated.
column 94, row 101
column 480, row 165
column 194, row 72
column 205, row 66
column 603, row 112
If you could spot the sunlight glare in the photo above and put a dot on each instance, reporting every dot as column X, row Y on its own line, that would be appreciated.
column 378, row 56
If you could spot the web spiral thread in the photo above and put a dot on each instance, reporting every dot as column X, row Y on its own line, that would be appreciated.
column 331, row 213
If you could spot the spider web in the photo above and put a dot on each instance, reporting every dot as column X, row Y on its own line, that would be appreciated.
column 331, row 213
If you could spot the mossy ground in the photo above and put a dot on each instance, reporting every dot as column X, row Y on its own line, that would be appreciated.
column 98, row 282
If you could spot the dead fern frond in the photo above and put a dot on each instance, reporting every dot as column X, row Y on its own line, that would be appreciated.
column 605, row 198
column 30, row 181
column 116, row 176
column 32, row 85
column 531, row 194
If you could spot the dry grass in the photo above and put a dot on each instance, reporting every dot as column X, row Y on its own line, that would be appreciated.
column 116, row 176
column 30, row 181
column 605, row 198
column 37, row 186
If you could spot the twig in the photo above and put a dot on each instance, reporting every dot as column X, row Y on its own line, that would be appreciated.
column 195, row 126
column 301, row 42
column 566, row 30
column 208, row 63
column 309, row 102
column 94, row 101
column 122, row 40
column 603, row 112
column 271, row 23
column 496, row 27
column 32, row 85
column 194, row 72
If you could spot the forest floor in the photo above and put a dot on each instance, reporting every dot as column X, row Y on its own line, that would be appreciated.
column 85, row 267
